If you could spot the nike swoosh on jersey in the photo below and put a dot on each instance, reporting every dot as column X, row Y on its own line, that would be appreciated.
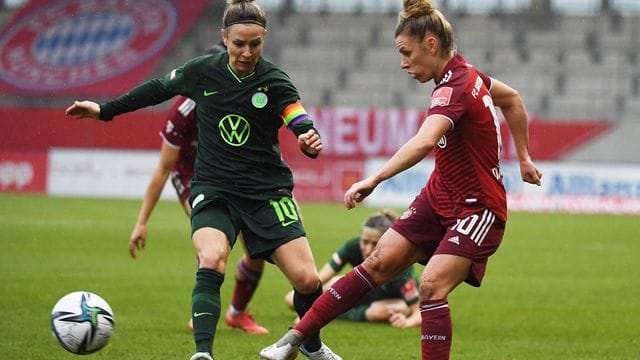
column 209, row 93
column 197, row 314
column 197, row 200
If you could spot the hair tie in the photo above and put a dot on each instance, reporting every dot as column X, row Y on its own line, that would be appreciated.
column 246, row 21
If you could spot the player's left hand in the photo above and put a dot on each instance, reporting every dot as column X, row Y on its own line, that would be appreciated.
column 310, row 142
column 530, row 172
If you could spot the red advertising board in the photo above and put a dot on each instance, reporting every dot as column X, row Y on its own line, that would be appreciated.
column 350, row 136
column 23, row 171
column 364, row 133
column 324, row 178
column 347, row 133
column 89, row 47
column 30, row 128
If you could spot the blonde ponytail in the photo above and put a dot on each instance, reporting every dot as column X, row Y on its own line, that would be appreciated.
column 419, row 17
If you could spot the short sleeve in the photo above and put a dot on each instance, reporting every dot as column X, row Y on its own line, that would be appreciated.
column 181, row 79
column 448, row 100
column 485, row 79
column 349, row 253
column 180, row 122
column 285, row 92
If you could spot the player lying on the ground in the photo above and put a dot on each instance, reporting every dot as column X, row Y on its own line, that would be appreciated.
column 395, row 302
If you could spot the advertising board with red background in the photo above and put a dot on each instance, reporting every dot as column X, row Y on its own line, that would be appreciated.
column 23, row 171
column 350, row 136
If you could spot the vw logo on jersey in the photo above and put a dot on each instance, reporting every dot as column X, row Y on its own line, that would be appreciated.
column 442, row 143
column 259, row 100
column 72, row 43
column 234, row 129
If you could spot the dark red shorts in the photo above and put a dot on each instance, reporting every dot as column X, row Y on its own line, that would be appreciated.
column 182, row 184
column 475, row 237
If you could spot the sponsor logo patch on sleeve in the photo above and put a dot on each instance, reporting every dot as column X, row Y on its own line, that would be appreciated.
column 410, row 290
column 441, row 96
column 336, row 259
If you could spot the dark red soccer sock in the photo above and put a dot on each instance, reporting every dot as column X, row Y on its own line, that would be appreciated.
column 246, row 284
column 436, row 329
column 340, row 297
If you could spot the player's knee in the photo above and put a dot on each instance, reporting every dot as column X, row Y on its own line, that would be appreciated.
column 431, row 289
column 380, row 270
column 307, row 284
column 211, row 260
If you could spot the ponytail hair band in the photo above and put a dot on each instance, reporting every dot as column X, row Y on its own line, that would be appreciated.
column 246, row 21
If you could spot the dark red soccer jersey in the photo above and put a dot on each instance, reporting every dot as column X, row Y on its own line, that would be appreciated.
column 181, row 131
column 467, row 176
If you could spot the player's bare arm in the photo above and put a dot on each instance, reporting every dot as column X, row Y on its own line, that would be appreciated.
column 407, row 156
column 515, row 114
column 168, row 158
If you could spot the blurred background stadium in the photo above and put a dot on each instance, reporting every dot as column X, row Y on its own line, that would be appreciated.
column 575, row 63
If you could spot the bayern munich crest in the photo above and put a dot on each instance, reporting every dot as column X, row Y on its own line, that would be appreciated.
column 72, row 43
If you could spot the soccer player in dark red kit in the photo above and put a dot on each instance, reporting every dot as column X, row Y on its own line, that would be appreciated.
column 177, row 157
column 458, row 219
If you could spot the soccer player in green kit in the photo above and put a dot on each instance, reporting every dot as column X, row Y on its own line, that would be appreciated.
column 395, row 302
column 241, row 182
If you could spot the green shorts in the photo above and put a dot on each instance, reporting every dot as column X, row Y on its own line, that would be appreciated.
column 266, row 220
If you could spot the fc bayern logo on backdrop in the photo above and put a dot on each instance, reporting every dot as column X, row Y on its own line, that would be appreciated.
column 72, row 43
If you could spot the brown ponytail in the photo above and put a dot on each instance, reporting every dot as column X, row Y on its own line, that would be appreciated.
column 243, row 12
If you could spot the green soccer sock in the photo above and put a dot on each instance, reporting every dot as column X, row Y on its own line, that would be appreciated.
column 205, row 307
column 302, row 303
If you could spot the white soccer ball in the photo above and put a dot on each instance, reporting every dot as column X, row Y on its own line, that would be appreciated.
column 82, row 322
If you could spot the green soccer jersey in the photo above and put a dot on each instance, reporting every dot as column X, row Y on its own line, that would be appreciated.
column 238, row 120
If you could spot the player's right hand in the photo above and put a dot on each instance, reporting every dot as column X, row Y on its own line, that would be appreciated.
column 358, row 191
column 137, row 240
column 84, row 110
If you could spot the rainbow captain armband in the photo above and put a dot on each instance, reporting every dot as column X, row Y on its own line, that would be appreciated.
column 293, row 114
column 295, row 117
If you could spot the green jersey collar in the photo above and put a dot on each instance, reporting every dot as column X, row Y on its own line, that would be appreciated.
column 238, row 78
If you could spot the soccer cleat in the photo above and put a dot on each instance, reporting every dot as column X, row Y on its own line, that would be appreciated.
column 245, row 322
column 201, row 356
column 324, row 353
column 273, row 352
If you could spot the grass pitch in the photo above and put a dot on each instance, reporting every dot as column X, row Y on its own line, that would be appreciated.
column 560, row 287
